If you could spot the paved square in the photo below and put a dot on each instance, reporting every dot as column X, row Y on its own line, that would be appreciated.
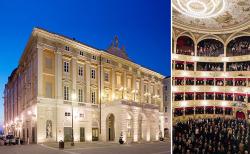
column 90, row 148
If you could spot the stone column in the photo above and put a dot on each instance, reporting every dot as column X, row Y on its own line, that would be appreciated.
column 39, row 71
column 135, row 123
column 125, row 84
column 113, row 81
column 142, row 91
column 74, row 74
column 195, row 49
column 87, row 77
column 58, row 74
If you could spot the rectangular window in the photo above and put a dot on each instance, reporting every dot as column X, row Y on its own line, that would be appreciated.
column 118, row 79
column 48, row 90
column 94, row 57
column 158, row 91
column 80, row 71
column 108, row 61
column 80, row 95
column 81, row 115
column 129, row 83
column 66, row 66
column 145, row 88
column 166, row 109
column 66, row 93
column 93, row 97
column 48, row 63
column 106, row 77
column 67, row 48
column 137, row 85
column 67, row 114
column 81, row 53
column 152, row 89
column 92, row 73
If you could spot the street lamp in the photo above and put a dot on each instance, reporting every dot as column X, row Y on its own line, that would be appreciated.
column 73, row 97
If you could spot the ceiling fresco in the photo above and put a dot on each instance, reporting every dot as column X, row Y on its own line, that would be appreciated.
column 211, row 15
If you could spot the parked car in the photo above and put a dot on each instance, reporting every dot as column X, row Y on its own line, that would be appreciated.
column 10, row 139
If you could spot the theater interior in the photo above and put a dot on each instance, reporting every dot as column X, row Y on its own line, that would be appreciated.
column 210, row 76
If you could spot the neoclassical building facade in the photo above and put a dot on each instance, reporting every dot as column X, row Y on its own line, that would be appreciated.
column 62, row 84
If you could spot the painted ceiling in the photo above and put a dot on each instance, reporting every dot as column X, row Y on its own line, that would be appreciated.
column 211, row 15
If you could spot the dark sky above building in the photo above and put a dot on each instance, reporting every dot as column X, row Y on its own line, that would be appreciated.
column 142, row 26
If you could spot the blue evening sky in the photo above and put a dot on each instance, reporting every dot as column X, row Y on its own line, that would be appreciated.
column 143, row 26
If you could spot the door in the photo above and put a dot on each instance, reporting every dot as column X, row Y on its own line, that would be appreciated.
column 67, row 134
column 95, row 134
column 33, row 134
column 82, row 134
column 24, row 137
column 111, row 127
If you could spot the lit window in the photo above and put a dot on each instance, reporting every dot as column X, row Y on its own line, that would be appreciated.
column 67, row 48
column 137, row 85
column 80, row 95
column 93, row 99
column 152, row 89
column 129, row 83
column 106, row 77
column 93, row 74
column 66, row 66
column 118, row 80
column 80, row 71
column 66, row 93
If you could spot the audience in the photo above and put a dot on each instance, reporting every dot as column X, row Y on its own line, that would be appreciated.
column 238, row 66
column 203, row 136
column 210, row 47
column 202, row 66
column 239, row 46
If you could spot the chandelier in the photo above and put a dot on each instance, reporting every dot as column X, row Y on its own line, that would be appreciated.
column 199, row 8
